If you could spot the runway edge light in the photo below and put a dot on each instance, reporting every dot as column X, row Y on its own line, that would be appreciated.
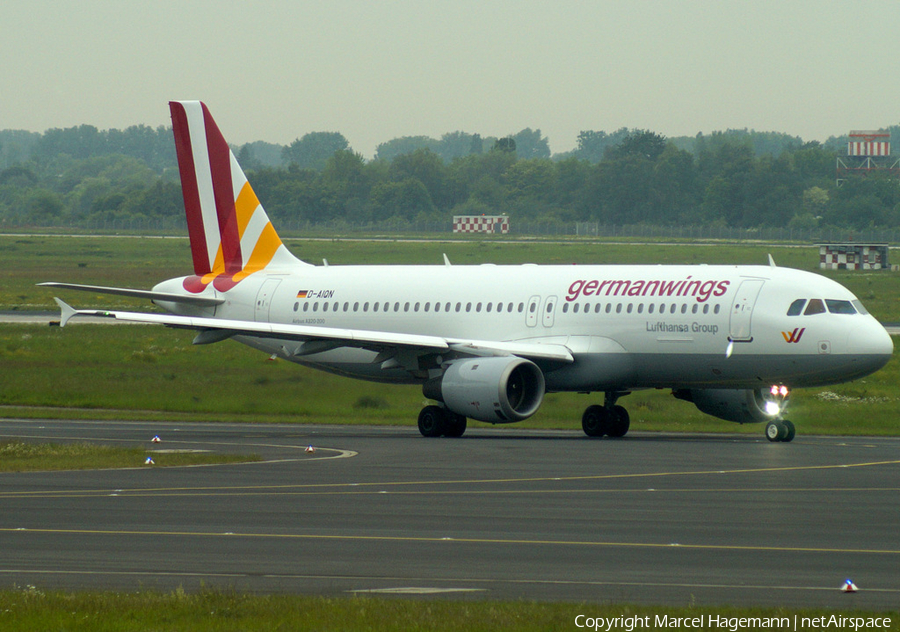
column 310, row 449
column 849, row 587
column 149, row 461
column 155, row 439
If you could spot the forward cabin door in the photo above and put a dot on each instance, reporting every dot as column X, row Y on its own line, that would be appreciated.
column 739, row 327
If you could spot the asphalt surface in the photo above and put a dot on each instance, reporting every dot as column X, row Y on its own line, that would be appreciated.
column 498, row 514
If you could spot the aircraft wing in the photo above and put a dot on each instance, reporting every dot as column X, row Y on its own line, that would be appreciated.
column 324, row 338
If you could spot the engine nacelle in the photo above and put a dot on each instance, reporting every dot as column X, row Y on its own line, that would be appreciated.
column 739, row 405
column 496, row 390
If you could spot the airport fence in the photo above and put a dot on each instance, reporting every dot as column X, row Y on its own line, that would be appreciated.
column 592, row 230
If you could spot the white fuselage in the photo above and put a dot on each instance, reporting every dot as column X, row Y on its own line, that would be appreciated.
column 627, row 327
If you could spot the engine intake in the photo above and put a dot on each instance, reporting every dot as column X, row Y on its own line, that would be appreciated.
column 495, row 389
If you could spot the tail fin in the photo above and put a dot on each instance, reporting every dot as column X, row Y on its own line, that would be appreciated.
column 231, row 235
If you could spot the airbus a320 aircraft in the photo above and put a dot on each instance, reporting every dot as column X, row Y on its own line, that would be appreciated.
column 487, row 342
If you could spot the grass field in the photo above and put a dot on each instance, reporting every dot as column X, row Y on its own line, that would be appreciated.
column 100, row 371
column 30, row 609
column 153, row 372
column 20, row 456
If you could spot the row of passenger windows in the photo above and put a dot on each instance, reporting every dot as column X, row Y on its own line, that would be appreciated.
column 818, row 306
column 512, row 307
column 437, row 307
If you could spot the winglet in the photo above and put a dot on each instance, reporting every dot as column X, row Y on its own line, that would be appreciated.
column 446, row 260
column 772, row 261
column 66, row 311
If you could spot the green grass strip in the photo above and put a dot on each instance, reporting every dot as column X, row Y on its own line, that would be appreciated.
column 30, row 609
column 19, row 456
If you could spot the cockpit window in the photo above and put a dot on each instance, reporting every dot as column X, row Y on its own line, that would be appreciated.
column 859, row 307
column 796, row 307
column 816, row 306
column 839, row 307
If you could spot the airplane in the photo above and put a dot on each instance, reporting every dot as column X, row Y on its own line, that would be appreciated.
column 487, row 342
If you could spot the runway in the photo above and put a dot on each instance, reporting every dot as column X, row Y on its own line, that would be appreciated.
column 499, row 514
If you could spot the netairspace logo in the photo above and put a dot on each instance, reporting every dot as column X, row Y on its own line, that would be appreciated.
column 732, row 624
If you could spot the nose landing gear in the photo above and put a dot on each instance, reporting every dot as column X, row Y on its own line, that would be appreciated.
column 780, row 430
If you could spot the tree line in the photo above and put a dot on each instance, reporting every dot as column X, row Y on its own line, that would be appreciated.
column 736, row 178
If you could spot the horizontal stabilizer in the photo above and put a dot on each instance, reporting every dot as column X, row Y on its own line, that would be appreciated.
column 203, row 301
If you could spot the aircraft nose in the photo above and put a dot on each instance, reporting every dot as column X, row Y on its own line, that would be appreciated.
column 872, row 344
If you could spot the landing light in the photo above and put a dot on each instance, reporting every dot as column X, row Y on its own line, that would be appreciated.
column 780, row 391
column 772, row 408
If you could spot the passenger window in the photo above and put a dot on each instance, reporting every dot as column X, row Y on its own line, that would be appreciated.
column 355, row 307
column 566, row 308
column 306, row 307
column 650, row 308
column 375, row 307
column 619, row 308
column 640, row 308
column 416, row 307
column 816, row 306
column 521, row 307
column 684, row 308
column 427, row 306
column 839, row 307
column 296, row 306
column 597, row 308
column 397, row 307
column 796, row 307
column 706, row 309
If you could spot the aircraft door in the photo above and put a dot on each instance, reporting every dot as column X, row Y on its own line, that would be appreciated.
column 549, row 311
column 531, row 311
column 264, row 299
column 742, row 310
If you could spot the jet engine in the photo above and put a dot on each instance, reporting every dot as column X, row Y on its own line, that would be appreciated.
column 494, row 389
column 739, row 405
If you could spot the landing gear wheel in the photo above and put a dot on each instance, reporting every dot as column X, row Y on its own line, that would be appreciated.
column 780, row 430
column 595, row 421
column 791, row 431
column 454, row 425
column 619, row 422
column 432, row 421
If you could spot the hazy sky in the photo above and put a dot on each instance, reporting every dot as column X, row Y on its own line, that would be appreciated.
column 375, row 70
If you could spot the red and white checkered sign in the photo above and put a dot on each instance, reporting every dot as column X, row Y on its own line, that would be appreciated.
column 860, row 258
column 480, row 224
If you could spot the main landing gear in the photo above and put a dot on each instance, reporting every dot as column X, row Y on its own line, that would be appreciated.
column 435, row 421
column 780, row 430
column 608, row 420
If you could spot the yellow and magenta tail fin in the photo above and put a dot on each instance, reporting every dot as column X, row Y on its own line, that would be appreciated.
column 231, row 235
